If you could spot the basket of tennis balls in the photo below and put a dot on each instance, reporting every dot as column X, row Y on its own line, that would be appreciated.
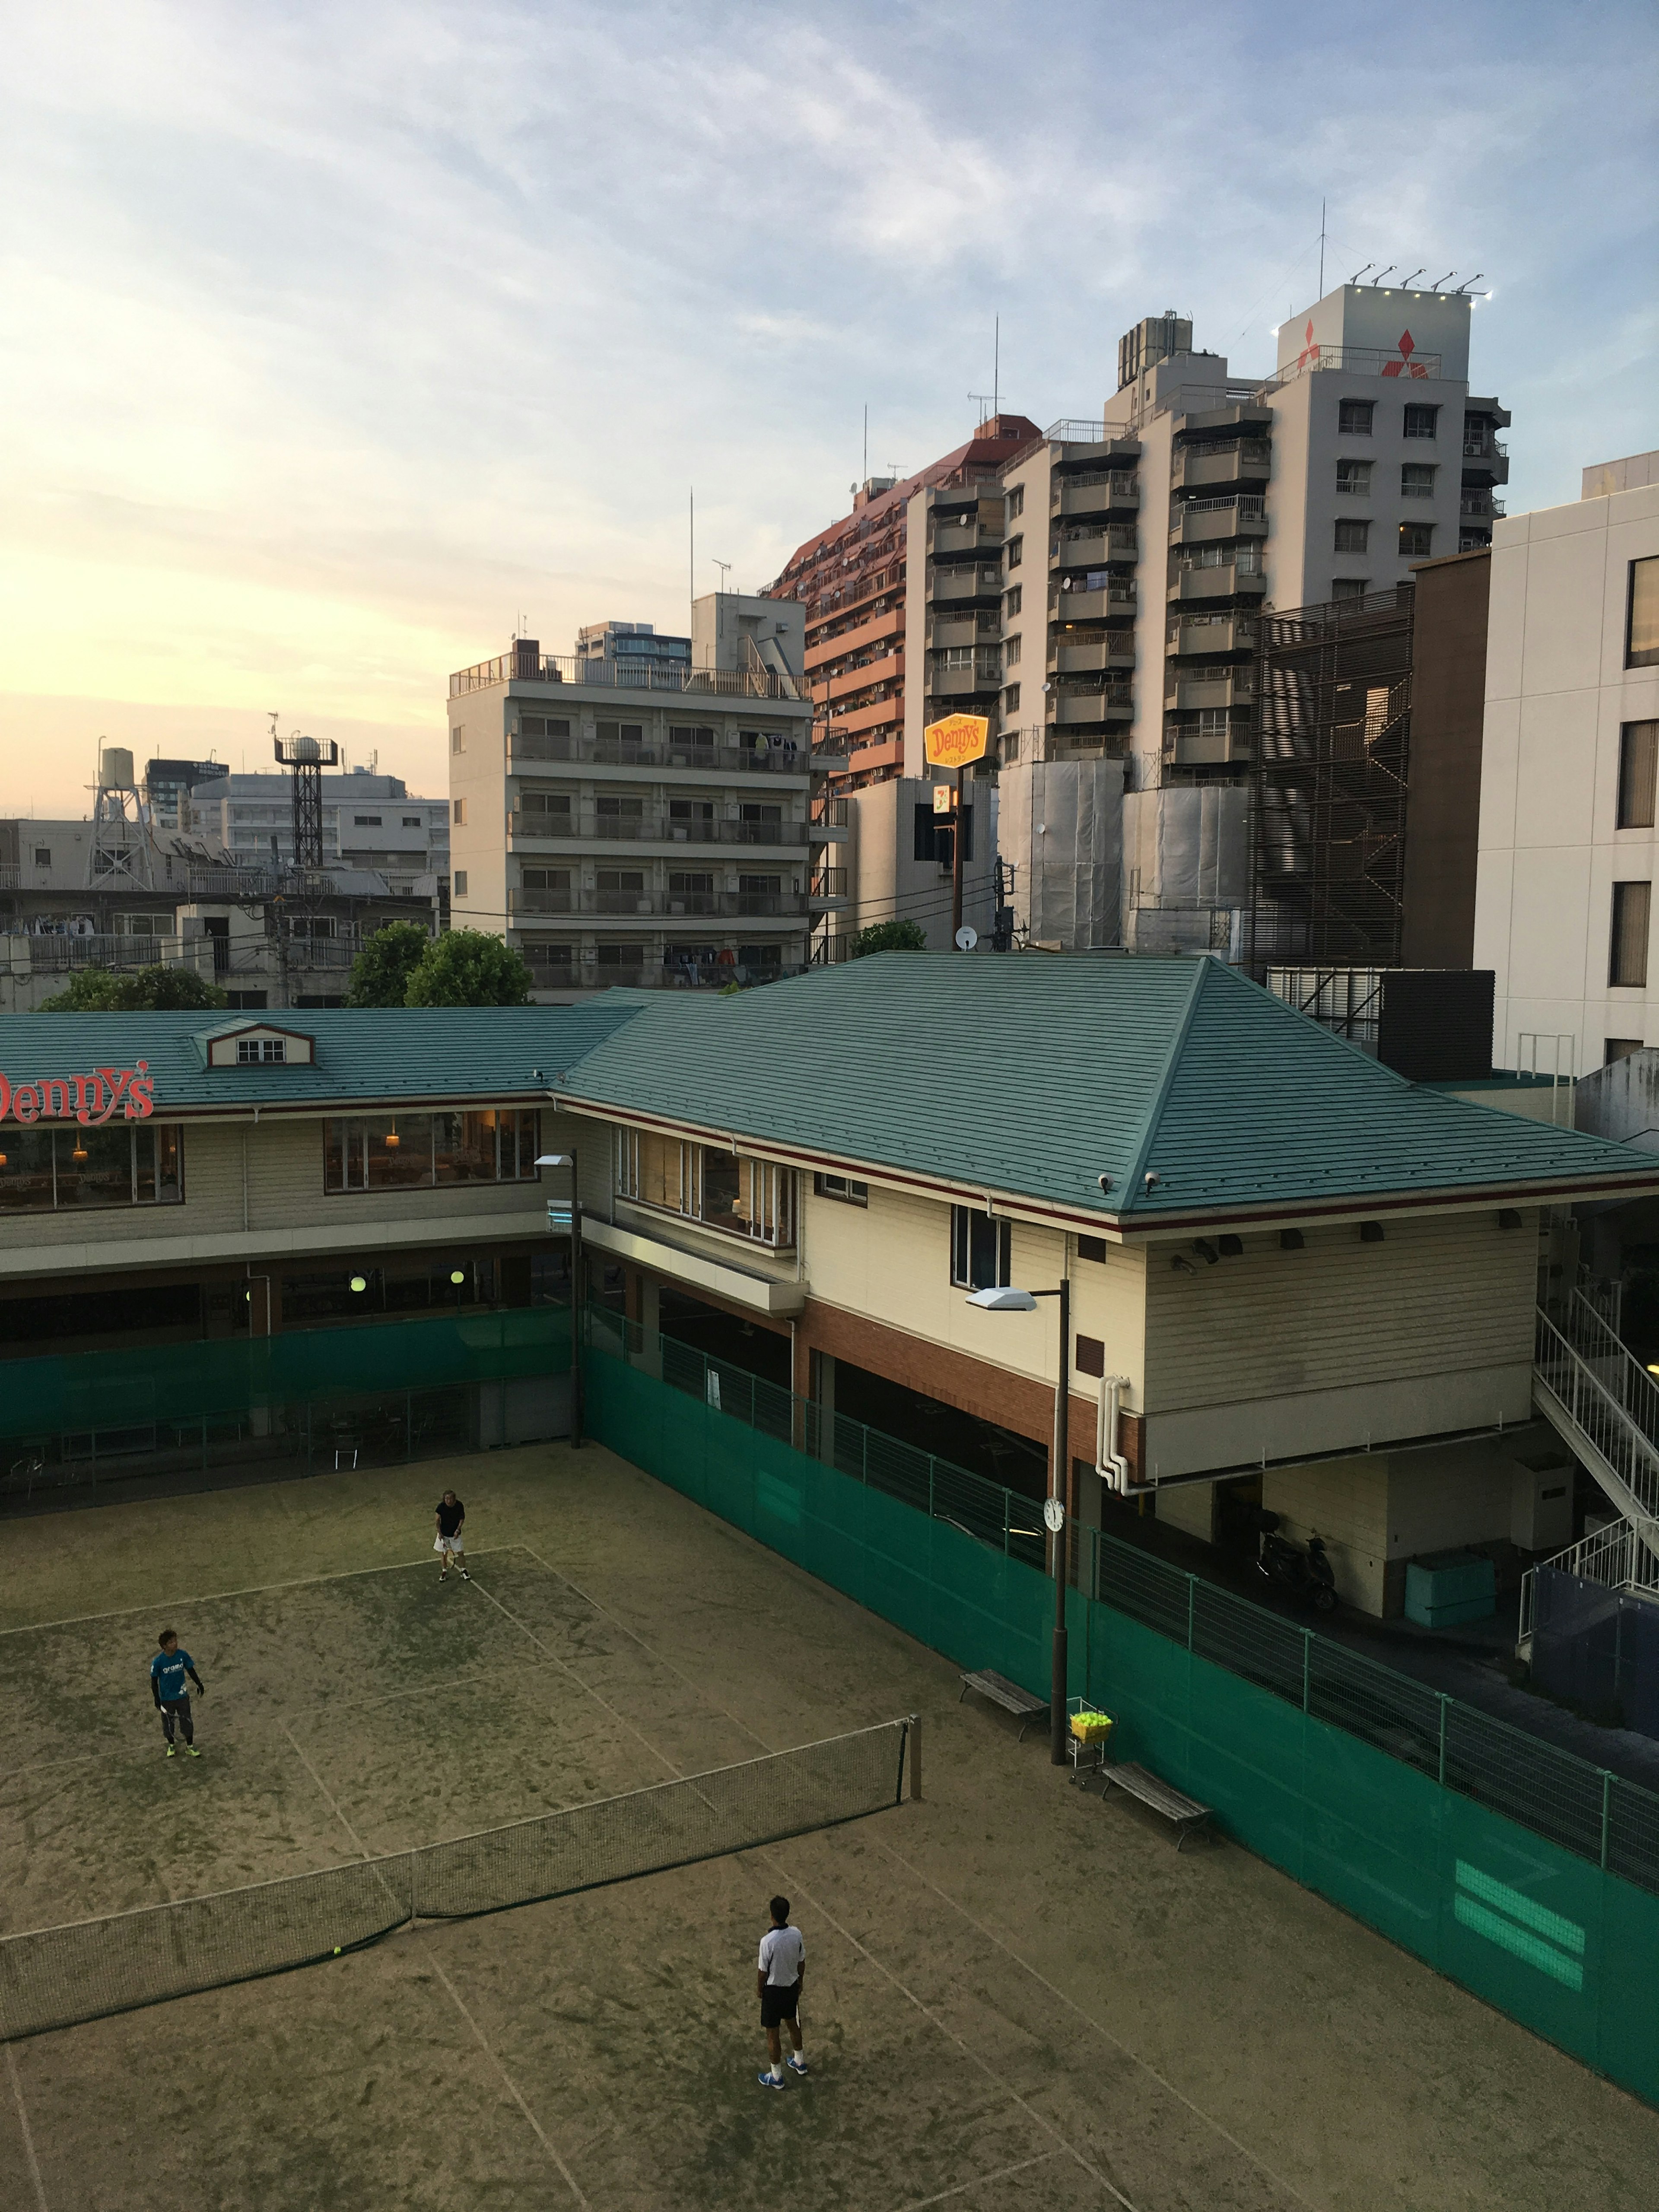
column 1091, row 1728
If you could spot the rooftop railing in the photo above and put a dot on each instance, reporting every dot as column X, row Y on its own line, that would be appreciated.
column 789, row 756
column 619, row 676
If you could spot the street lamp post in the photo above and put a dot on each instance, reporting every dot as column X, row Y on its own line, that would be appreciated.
column 1006, row 1298
column 561, row 1160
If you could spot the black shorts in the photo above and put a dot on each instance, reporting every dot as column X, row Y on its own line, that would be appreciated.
column 779, row 2003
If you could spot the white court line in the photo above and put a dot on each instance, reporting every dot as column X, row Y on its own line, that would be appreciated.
column 979, row 2181
column 254, row 1589
column 1208, row 2120
column 358, row 1845
column 23, row 2121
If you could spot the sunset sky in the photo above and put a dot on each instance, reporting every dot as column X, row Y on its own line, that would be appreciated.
column 343, row 341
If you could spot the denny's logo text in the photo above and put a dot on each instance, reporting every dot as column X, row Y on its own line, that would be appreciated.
column 91, row 1098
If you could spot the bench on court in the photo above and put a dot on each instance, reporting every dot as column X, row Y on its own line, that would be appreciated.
column 1009, row 1695
column 1188, row 1815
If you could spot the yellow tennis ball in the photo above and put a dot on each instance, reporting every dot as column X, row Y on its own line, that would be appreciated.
column 336, row 1950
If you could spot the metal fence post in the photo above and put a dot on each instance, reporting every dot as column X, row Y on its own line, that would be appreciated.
column 932, row 1469
column 1607, row 1813
column 1191, row 1585
column 1443, row 1739
column 1307, row 1656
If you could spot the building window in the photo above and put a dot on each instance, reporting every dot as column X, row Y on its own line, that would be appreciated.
column 460, row 813
column 415, row 1151
column 1010, row 699
column 1638, row 757
column 1016, row 502
column 1012, row 599
column 458, row 882
column 722, row 1189
column 1627, row 964
column 980, row 1249
column 1351, row 587
column 457, row 739
column 1416, row 540
column 1641, row 632
column 1420, row 421
column 1011, row 652
column 1417, row 480
column 843, row 1188
column 71, row 1169
column 1619, row 1049
column 1016, row 551
column 1353, row 417
column 411, row 822
column 933, row 834
column 367, row 822
column 1353, row 479
column 43, row 856
column 1353, row 535
column 261, row 1052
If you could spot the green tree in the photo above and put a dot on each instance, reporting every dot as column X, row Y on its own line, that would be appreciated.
column 381, row 973
column 142, row 991
column 468, row 967
column 890, row 936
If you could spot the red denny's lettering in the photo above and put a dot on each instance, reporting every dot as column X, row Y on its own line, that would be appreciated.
column 90, row 1098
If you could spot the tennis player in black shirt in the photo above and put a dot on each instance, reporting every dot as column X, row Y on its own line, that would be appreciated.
column 450, row 1544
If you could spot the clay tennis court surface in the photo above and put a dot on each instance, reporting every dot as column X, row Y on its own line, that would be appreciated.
column 1016, row 1997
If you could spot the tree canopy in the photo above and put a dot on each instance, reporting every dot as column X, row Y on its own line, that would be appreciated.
column 468, row 967
column 138, row 991
column 381, row 973
column 890, row 936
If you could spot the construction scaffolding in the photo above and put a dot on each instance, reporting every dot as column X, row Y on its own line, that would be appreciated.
column 1327, row 832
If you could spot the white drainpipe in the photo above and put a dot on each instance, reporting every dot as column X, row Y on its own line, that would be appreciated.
column 1110, row 1462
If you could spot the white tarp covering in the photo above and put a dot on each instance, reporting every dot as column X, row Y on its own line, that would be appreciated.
column 1185, row 866
column 1060, row 825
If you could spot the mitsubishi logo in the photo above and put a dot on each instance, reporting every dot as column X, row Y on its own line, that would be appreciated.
column 1310, row 351
column 1404, row 366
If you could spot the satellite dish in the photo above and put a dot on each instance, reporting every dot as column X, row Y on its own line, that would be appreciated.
column 967, row 939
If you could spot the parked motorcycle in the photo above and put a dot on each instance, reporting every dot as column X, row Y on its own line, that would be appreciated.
column 1304, row 1576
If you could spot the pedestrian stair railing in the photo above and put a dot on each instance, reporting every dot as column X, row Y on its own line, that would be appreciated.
column 1604, row 1405
column 1615, row 1556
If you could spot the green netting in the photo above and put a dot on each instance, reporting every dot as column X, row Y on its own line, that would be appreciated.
column 179, row 1382
column 1516, row 1868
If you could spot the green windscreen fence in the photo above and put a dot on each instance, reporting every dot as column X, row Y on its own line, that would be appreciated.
column 1521, row 1871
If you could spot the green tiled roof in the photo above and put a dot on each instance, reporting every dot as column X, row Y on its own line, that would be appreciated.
column 369, row 1054
column 1034, row 1076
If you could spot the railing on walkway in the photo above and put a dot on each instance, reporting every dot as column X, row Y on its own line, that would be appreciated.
column 1606, row 1406
column 1612, row 1557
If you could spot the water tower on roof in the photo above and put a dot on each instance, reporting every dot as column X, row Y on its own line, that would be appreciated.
column 307, row 757
column 120, row 850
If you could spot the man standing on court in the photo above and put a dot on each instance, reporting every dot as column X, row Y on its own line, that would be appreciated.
column 782, row 1971
column 450, row 1544
column 168, row 1670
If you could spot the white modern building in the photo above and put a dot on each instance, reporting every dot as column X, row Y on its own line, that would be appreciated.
column 369, row 821
column 639, row 820
column 1569, row 850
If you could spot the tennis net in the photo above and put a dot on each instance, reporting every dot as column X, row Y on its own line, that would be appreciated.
column 54, row 1977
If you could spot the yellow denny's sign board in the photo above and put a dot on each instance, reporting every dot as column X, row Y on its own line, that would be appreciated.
column 956, row 740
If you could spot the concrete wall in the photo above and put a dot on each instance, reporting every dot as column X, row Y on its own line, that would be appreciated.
column 890, row 884
column 1443, row 804
column 1557, row 694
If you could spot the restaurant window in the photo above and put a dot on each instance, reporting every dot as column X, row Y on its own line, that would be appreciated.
column 423, row 1151
column 723, row 1189
column 73, row 1169
column 980, row 1248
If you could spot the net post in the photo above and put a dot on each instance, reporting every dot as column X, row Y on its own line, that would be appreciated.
column 913, row 1744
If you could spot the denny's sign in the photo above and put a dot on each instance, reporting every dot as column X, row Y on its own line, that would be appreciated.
column 91, row 1099
column 956, row 740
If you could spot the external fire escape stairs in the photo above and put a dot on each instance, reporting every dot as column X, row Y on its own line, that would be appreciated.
column 1604, row 1405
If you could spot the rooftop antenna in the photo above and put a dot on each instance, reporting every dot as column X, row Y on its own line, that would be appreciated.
column 1381, row 273
column 1439, row 280
column 1322, row 249
column 691, row 553
column 1358, row 273
column 725, row 568
column 1475, row 279
column 986, row 401
column 1405, row 283
column 996, row 366
column 863, row 473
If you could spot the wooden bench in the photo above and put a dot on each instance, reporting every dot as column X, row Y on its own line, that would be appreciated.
column 1009, row 1695
column 1188, row 1815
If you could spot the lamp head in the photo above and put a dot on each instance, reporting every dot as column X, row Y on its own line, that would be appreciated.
column 555, row 1160
column 1003, row 1298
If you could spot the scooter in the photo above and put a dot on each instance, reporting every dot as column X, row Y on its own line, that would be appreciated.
column 1306, row 1576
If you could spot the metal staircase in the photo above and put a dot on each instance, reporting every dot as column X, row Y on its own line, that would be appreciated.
column 1604, row 1405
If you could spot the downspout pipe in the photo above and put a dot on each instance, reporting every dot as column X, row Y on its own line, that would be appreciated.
column 1109, row 1463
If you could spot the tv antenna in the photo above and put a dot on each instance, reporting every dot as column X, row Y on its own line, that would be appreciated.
column 725, row 568
column 987, row 403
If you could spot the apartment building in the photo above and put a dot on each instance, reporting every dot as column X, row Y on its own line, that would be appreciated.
column 1568, row 846
column 1341, row 1331
column 634, row 646
column 636, row 820
column 369, row 822
column 168, row 785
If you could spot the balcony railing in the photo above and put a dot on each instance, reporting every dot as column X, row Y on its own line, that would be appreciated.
column 1355, row 361
column 617, row 675
column 633, row 829
column 828, row 883
column 1481, row 509
column 1248, row 507
column 1485, row 449
column 1080, row 548
column 716, row 974
column 788, row 758
column 654, row 900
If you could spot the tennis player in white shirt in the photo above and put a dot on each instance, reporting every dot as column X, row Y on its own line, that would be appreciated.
column 783, row 1970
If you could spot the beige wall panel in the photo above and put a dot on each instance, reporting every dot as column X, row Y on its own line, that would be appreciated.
column 1437, row 1500
column 1347, row 1503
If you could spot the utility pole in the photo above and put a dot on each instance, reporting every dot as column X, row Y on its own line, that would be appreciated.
column 956, row 867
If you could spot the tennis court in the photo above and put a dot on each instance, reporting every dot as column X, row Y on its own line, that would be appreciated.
column 1015, row 1996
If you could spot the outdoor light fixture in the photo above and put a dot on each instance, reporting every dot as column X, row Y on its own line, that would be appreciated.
column 1371, row 1232
column 1231, row 1248
column 1508, row 1219
column 1003, row 1298
column 1105, row 1182
column 1207, row 1252
column 360, row 1282
column 1183, row 1266
column 1290, row 1240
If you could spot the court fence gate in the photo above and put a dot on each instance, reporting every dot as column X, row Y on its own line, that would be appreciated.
column 1513, row 1866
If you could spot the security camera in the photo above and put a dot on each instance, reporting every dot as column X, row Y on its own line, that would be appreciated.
column 1105, row 1182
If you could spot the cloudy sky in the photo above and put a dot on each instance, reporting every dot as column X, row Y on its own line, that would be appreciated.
column 344, row 340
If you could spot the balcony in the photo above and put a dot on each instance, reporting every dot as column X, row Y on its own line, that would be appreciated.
column 964, row 682
column 946, row 631
column 1068, row 710
column 1111, row 600
column 827, row 891
column 1092, row 549
column 562, row 901
column 1477, row 506
column 653, row 829
column 732, row 965
column 654, row 902
column 1095, row 491
column 1218, row 462
column 1196, row 688
column 1195, row 748
column 1208, row 521
column 788, row 758
column 1229, row 582
column 962, row 586
column 1117, row 650
column 964, row 537
column 1211, row 634
column 856, row 640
